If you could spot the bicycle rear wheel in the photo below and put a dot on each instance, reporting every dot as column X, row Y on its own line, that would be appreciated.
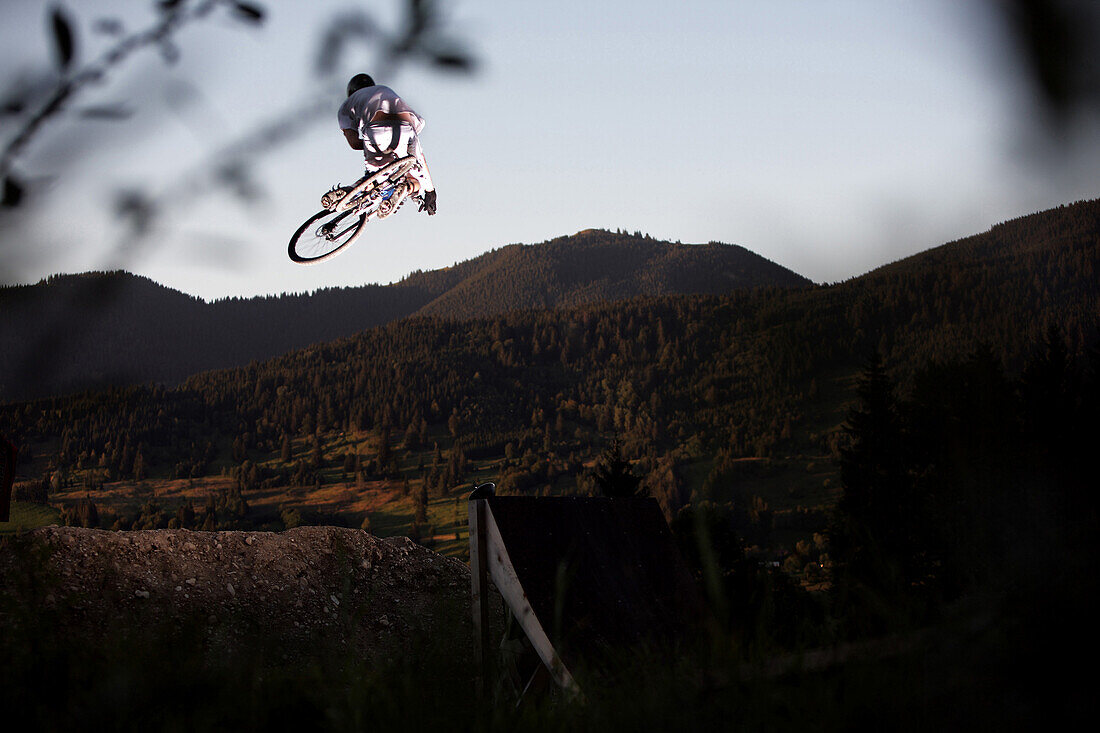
column 324, row 235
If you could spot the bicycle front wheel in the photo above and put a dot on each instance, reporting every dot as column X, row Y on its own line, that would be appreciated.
column 324, row 235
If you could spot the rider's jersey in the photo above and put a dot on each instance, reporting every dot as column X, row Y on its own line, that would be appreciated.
column 358, row 109
column 384, row 142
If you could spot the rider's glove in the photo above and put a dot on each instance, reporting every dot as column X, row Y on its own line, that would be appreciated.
column 427, row 203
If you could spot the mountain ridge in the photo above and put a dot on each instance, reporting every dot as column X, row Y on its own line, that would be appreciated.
column 595, row 265
column 116, row 328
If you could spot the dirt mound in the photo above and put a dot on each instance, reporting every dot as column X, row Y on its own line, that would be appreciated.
column 294, row 589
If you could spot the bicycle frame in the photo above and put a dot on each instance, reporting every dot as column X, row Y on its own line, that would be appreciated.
column 370, row 188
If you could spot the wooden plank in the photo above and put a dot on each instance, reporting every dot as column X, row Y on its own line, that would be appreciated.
column 508, row 584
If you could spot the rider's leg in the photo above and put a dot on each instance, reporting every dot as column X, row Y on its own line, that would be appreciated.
column 380, row 145
column 369, row 168
column 422, row 177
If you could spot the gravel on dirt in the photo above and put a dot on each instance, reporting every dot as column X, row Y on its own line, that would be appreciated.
column 292, row 588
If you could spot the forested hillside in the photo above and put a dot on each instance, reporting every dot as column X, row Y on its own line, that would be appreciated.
column 718, row 397
column 1005, row 288
column 73, row 332
column 595, row 266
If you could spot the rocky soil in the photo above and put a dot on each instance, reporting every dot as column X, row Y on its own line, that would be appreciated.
column 295, row 590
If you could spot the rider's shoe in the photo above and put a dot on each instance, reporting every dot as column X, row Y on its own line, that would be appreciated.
column 427, row 202
column 333, row 197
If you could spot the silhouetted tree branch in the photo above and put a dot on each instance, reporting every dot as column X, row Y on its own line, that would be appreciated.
column 72, row 81
column 228, row 167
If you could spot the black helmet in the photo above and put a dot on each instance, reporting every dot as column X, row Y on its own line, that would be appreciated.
column 359, row 81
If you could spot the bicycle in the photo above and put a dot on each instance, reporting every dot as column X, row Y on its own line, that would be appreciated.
column 349, row 208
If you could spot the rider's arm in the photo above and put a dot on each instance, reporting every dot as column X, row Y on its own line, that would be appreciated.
column 353, row 139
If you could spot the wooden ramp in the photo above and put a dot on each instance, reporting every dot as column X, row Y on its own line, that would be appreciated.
column 581, row 576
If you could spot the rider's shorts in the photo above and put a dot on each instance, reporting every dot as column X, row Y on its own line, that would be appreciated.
column 385, row 142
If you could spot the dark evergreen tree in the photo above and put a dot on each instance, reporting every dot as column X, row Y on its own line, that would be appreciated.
column 612, row 474
column 420, row 506
column 968, row 465
column 869, row 538
column 186, row 515
column 386, row 456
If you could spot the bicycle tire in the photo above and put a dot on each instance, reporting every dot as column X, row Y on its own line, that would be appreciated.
column 312, row 244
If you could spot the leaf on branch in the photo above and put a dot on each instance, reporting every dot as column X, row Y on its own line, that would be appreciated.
column 108, row 26
column 135, row 209
column 249, row 12
column 64, row 41
column 13, row 193
column 107, row 112
column 453, row 61
column 26, row 90
column 12, row 106
column 169, row 51
column 236, row 177
column 341, row 29
column 420, row 17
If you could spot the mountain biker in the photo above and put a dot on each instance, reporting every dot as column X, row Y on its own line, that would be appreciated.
column 381, row 124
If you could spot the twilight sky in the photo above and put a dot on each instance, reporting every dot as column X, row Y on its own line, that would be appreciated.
column 830, row 136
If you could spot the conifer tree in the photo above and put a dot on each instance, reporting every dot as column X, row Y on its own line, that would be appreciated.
column 612, row 474
column 866, row 540
column 420, row 506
